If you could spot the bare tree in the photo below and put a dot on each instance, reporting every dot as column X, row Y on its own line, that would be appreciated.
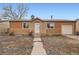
column 15, row 14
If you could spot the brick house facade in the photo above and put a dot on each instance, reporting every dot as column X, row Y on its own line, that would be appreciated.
column 43, row 27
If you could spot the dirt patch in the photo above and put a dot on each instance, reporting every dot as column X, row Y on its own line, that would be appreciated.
column 15, row 45
column 59, row 45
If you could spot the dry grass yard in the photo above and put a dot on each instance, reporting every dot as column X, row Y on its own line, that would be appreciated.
column 15, row 45
column 60, row 45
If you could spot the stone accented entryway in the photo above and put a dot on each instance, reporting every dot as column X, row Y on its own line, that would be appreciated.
column 38, row 47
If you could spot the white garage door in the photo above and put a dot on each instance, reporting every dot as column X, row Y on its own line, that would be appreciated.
column 66, row 29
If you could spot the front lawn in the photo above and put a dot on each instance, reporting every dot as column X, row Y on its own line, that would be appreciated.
column 15, row 45
column 60, row 45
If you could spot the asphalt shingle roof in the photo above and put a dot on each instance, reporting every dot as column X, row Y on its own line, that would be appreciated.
column 39, row 19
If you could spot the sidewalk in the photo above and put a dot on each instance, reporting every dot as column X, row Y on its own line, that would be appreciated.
column 73, row 36
column 38, row 47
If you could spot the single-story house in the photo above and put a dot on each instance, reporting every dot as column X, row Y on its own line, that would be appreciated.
column 4, row 26
column 77, row 25
column 42, row 27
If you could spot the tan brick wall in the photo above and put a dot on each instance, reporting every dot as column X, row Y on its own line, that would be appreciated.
column 15, row 24
column 18, row 29
column 57, row 30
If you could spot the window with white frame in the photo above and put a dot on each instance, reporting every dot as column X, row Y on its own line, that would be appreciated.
column 51, row 25
column 25, row 25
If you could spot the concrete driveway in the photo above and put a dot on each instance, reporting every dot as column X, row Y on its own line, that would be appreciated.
column 72, row 36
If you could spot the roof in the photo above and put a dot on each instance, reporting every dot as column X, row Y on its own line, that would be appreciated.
column 77, row 19
column 4, row 21
column 40, row 20
column 58, row 20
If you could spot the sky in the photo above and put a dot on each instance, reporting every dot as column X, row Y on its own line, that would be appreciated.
column 45, row 10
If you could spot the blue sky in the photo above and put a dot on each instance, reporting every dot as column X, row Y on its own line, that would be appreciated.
column 45, row 10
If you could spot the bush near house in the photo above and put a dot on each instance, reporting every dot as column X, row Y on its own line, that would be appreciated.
column 31, row 33
column 11, row 33
column 77, row 33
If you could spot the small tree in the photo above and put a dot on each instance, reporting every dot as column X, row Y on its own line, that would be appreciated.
column 32, row 16
column 51, row 16
column 19, row 13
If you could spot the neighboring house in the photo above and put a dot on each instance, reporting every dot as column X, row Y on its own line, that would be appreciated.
column 77, row 25
column 42, row 27
column 4, row 26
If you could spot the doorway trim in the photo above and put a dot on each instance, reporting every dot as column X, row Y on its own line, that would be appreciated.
column 37, row 28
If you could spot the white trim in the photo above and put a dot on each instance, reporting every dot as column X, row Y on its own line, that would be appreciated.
column 37, row 30
column 52, row 24
column 67, row 29
column 23, row 25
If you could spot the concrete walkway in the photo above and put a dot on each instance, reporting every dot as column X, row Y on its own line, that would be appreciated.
column 38, row 47
column 37, row 40
column 73, row 36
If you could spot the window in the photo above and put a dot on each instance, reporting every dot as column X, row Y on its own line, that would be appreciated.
column 51, row 25
column 25, row 25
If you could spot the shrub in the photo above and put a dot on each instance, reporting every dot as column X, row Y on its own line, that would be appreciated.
column 77, row 33
column 11, row 34
column 30, row 33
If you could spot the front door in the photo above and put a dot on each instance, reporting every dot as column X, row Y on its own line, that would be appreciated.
column 37, row 28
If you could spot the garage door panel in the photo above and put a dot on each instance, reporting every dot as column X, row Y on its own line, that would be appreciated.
column 66, row 29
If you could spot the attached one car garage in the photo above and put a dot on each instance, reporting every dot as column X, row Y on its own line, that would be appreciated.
column 67, row 29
